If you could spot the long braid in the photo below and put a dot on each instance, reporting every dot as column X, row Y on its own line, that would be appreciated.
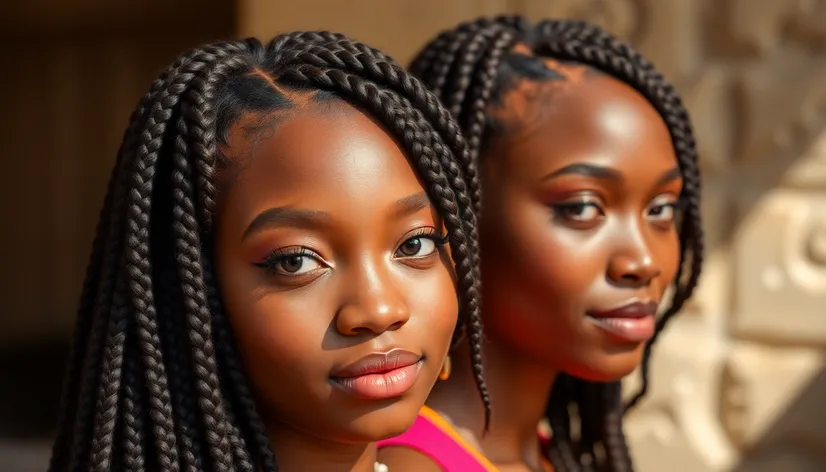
column 156, row 381
column 459, row 77
column 181, row 381
column 108, row 397
column 134, row 416
column 465, row 68
column 561, row 453
column 473, row 116
column 613, row 436
column 588, row 395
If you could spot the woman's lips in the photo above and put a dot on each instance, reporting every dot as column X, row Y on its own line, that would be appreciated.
column 633, row 322
column 379, row 375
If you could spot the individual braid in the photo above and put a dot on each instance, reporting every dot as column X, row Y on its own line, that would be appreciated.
column 135, row 448
column 155, row 380
column 466, row 67
column 181, row 382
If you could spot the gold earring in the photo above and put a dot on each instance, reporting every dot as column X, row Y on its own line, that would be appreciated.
column 444, row 374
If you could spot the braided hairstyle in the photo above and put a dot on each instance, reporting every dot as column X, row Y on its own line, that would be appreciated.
column 470, row 68
column 155, row 380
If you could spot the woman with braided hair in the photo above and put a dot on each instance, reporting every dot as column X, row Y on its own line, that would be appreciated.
column 270, row 281
column 588, row 170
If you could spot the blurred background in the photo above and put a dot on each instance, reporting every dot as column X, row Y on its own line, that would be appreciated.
column 738, row 383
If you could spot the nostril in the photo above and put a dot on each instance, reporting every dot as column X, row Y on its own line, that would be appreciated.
column 395, row 326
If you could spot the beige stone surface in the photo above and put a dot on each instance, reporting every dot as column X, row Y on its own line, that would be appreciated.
column 780, row 252
column 763, row 387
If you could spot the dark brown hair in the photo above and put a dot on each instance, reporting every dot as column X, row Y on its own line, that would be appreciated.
column 470, row 68
column 155, row 381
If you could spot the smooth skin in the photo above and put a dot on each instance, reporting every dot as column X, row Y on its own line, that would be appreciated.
column 327, row 250
column 580, row 192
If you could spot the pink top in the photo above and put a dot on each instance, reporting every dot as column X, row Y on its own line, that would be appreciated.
column 432, row 436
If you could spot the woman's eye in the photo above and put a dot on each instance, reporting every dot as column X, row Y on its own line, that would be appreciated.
column 295, row 264
column 663, row 212
column 416, row 247
column 580, row 211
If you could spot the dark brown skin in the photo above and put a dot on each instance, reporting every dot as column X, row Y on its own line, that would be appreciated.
column 579, row 199
column 358, row 287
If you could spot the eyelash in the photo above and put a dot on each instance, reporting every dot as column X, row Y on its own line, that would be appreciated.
column 278, row 256
column 428, row 233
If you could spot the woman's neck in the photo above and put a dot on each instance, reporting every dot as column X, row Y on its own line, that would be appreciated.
column 519, row 393
column 298, row 452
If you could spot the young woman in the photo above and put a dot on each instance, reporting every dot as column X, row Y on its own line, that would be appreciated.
column 255, row 292
column 591, row 213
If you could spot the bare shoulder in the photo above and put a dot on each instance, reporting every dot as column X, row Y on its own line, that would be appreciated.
column 405, row 459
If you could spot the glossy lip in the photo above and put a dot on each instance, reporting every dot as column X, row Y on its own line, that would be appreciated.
column 633, row 322
column 377, row 363
column 380, row 375
column 633, row 309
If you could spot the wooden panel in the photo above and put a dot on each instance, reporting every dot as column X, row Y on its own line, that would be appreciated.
column 89, row 17
column 64, row 108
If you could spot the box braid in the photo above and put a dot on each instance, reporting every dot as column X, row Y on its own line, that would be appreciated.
column 470, row 68
column 155, row 380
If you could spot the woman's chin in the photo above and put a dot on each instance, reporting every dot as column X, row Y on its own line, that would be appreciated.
column 605, row 367
column 383, row 423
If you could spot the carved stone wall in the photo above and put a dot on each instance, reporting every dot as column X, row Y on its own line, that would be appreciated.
column 739, row 380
